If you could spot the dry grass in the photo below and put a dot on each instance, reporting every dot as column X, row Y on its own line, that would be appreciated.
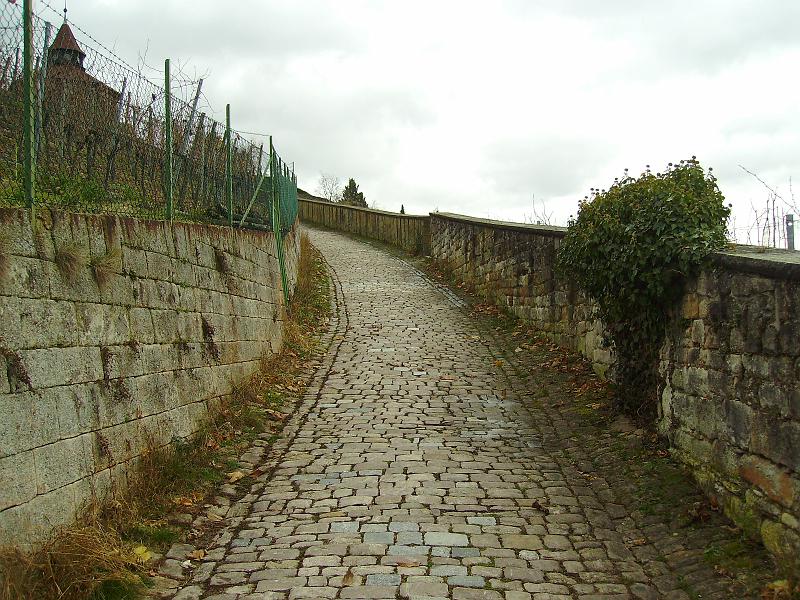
column 80, row 562
column 95, row 558
column 70, row 259
column 103, row 267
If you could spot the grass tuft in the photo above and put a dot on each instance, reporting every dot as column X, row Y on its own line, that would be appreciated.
column 77, row 563
column 103, row 267
column 70, row 259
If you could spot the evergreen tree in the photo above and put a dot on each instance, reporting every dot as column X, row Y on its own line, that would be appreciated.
column 351, row 196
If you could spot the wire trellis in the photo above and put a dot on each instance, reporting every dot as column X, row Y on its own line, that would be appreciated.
column 99, row 136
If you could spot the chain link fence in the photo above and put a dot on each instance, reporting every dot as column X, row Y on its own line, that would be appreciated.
column 107, row 139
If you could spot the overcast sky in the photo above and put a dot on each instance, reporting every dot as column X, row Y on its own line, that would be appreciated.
column 474, row 107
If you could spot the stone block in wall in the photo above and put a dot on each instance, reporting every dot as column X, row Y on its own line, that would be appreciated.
column 160, row 266
column 739, row 419
column 82, row 287
column 184, row 273
column 165, row 326
column 48, row 367
column 62, row 462
column 18, row 475
column 27, row 323
column 156, row 294
column 29, row 419
column 5, row 384
column 777, row 483
column 27, row 278
column 134, row 262
column 141, row 324
column 80, row 408
column 102, row 324
column 774, row 398
column 776, row 439
column 117, row 289
column 152, row 236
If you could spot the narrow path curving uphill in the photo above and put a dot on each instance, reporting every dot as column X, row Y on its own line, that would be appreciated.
column 418, row 467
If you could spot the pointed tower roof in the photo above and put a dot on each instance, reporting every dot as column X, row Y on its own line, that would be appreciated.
column 65, row 40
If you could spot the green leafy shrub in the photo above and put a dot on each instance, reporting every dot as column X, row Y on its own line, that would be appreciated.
column 631, row 249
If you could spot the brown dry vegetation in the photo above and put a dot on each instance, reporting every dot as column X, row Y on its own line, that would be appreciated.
column 70, row 259
column 104, row 266
column 105, row 555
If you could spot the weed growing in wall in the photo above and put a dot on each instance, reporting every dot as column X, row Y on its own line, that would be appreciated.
column 632, row 248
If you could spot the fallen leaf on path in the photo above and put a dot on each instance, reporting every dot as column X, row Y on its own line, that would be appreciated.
column 777, row 590
column 197, row 554
column 407, row 562
column 639, row 542
column 538, row 506
column 142, row 554
column 235, row 476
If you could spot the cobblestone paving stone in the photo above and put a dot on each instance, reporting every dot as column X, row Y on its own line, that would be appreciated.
column 417, row 467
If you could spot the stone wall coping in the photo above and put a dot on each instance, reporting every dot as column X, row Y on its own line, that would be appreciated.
column 387, row 213
column 549, row 230
column 755, row 260
column 768, row 262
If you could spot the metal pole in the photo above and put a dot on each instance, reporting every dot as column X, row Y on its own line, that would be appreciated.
column 229, row 165
column 790, row 231
column 168, row 140
column 28, row 152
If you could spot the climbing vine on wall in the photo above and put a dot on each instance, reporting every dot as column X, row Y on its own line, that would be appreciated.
column 632, row 248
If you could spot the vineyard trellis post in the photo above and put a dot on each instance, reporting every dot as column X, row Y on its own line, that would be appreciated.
column 28, row 153
column 229, row 165
column 275, row 183
column 168, row 141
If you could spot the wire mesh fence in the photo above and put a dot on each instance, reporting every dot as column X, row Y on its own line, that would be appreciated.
column 107, row 139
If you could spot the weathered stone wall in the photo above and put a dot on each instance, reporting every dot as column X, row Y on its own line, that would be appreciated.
column 730, row 402
column 409, row 232
column 513, row 265
column 157, row 322
column 730, row 391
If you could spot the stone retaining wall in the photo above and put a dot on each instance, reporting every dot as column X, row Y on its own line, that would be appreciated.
column 156, row 322
column 409, row 232
column 730, row 389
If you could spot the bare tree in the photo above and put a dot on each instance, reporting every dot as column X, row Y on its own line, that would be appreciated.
column 769, row 222
column 540, row 215
column 329, row 187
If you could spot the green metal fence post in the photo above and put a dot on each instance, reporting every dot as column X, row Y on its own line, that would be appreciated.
column 275, row 180
column 229, row 165
column 168, row 158
column 28, row 152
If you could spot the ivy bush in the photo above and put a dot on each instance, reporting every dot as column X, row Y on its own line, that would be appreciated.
column 631, row 249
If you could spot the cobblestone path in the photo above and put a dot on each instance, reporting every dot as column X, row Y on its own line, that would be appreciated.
column 417, row 468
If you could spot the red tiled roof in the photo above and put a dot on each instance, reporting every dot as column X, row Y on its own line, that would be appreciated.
column 65, row 40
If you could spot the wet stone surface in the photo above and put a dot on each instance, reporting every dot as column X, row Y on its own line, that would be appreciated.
column 420, row 466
